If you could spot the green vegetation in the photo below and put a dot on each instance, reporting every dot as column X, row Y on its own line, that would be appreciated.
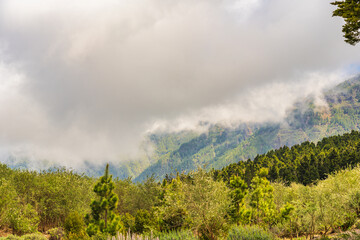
column 305, row 163
column 268, row 198
column 297, row 191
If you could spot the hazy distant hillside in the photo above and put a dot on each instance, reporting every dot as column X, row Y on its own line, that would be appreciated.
column 221, row 146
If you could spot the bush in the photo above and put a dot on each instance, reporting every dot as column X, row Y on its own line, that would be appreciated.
column 10, row 237
column 99, row 236
column 23, row 220
column 77, row 236
column 33, row 236
column 129, row 222
column 142, row 221
column 74, row 223
column 56, row 233
column 249, row 233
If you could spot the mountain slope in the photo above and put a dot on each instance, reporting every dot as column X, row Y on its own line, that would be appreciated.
column 305, row 122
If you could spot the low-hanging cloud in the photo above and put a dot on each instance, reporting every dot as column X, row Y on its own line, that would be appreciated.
column 86, row 79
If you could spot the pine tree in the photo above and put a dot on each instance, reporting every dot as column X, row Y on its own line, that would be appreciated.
column 262, row 199
column 239, row 190
column 102, row 217
column 349, row 10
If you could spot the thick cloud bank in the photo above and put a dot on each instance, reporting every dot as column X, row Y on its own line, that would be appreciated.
column 86, row 79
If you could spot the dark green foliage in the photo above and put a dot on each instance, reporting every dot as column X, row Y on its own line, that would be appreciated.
column 249, row 233
column 143, row 220
column 349, row 10
column 305, row 163
column 103, row 218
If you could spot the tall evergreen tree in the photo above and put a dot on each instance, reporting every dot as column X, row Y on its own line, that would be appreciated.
column 262, row 199
column 239, row 190
column 102, row 217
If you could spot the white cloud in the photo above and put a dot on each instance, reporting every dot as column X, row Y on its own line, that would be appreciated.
column 93, row 76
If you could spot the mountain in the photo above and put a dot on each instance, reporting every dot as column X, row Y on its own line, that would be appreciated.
column 221, row 146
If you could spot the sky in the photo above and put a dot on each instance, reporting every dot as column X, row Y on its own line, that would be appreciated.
column 88, row 79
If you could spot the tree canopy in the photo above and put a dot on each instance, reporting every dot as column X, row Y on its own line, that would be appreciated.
column 350, row 11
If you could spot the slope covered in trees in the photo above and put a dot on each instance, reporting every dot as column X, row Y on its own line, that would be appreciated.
column 303, row 163
column 221, row 146
column 245, row 199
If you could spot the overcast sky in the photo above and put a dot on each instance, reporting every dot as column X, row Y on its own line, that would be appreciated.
column 86, row 79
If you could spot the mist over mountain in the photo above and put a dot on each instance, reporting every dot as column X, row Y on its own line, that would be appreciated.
column 307, row 120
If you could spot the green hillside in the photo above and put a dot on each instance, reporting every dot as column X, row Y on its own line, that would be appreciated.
column 318, row 195
column 221, row 146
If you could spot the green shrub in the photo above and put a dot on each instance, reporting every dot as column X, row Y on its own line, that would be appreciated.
column 74, row 223
column 129, row 222
column 56, row 233
column 23, row 220
column 77, row 236
column 33, row 236
column 142, row 221
column 99, row 236
column 177, row 235
column 248, row 233
column 10, row 237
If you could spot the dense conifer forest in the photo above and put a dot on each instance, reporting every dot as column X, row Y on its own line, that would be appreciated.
column 306, row 191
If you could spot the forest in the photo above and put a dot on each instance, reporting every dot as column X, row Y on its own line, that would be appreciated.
column 306, row 191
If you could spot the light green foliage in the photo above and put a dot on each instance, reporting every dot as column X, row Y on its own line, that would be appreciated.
column 53, row 194
column 56, row 233
column 206, row 202
column 143, row 221
column 199, row 202
column 135, row 196
column 74, row 224
column 349, row 10
column 103, row 218
column 239, row 190
column 173, row 213
column 129, row 222
column 23, row 219
column 8, row 201
column 331, row 204
column 262, row 200
column 249, row 233
column 32, row 236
